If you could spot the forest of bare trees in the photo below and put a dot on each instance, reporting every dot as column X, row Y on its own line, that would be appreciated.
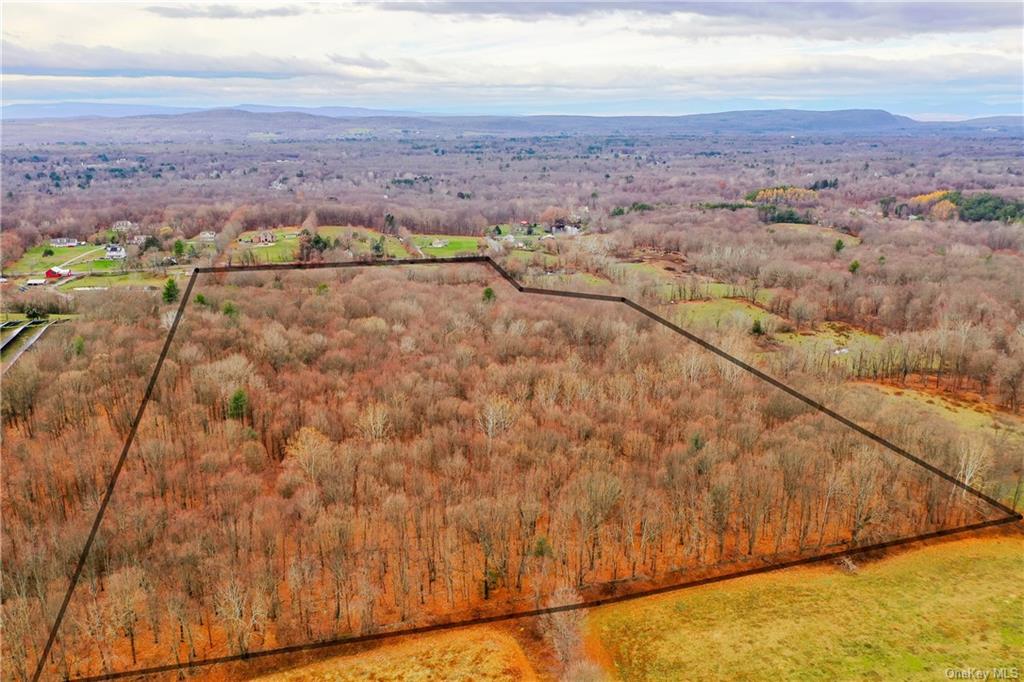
column 343, row 452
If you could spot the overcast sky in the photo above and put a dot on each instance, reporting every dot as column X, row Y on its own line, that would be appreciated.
column 926, row 60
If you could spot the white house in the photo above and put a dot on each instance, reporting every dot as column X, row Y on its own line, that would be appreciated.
column 124, row 226
column 116, row 252
column 207, row 236
column 63, row 241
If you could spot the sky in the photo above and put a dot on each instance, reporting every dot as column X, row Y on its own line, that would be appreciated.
column 928, row 60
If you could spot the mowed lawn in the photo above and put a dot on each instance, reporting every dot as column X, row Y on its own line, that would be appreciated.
column 455, row 246
column 463, row 655
column 911, row 616
column 281, row 251
column 363, row 238
column 33, row 260
column 285, row 249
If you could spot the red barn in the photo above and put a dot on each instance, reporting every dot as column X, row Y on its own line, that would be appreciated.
column 56, row 273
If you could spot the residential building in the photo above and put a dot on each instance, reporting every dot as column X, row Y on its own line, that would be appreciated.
column 116, row 252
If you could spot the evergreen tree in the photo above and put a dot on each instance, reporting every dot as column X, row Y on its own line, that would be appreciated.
column 238, row 406
column 170, row 291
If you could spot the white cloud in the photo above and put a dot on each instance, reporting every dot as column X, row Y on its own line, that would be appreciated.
column 533, row 58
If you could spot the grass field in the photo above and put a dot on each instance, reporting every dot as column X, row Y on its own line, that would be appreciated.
column 464, row 655
column 719, row 311
column 33, row 260
column 128, row 279
column 362, row 239
column 281, row 251
column 966, row 418
column 456, row 245
column 830, row 336
column 285, row 249
column 526, row 256
column 577, row 281
column 912, row 616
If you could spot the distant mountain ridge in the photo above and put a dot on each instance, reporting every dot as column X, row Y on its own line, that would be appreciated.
column 268, row 123
column 11, row 112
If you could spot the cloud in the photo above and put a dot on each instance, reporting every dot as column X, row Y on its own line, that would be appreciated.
column 362, row 60
column 105, row 62
column 524, row 56
column 831, row 20
column 222, row 11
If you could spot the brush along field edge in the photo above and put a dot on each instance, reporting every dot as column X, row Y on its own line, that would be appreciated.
column 1010, row 515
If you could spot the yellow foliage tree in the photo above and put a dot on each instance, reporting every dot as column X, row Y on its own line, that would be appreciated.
column 944, row 210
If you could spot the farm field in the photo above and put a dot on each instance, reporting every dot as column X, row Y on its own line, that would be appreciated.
column 912, row 616
column 462, row 656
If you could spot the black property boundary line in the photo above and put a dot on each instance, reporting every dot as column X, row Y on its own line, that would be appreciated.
column 1011, row 515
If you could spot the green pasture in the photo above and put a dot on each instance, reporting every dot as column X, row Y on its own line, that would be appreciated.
column 909, row 617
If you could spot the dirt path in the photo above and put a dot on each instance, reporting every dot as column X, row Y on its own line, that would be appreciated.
column 79, row 257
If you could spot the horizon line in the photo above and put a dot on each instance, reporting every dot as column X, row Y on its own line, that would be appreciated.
column 395, row 112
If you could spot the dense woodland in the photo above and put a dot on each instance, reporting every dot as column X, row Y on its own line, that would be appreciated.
column 348, row 452
column 339, row 452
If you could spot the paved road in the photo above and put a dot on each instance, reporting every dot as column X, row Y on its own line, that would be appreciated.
column 28, row 344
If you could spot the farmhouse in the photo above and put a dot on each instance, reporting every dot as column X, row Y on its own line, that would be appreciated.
column 265, row 237
column 124, row 226
column 35, row 282
column 60, row 242
column 207, row 236
column 115, row 252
